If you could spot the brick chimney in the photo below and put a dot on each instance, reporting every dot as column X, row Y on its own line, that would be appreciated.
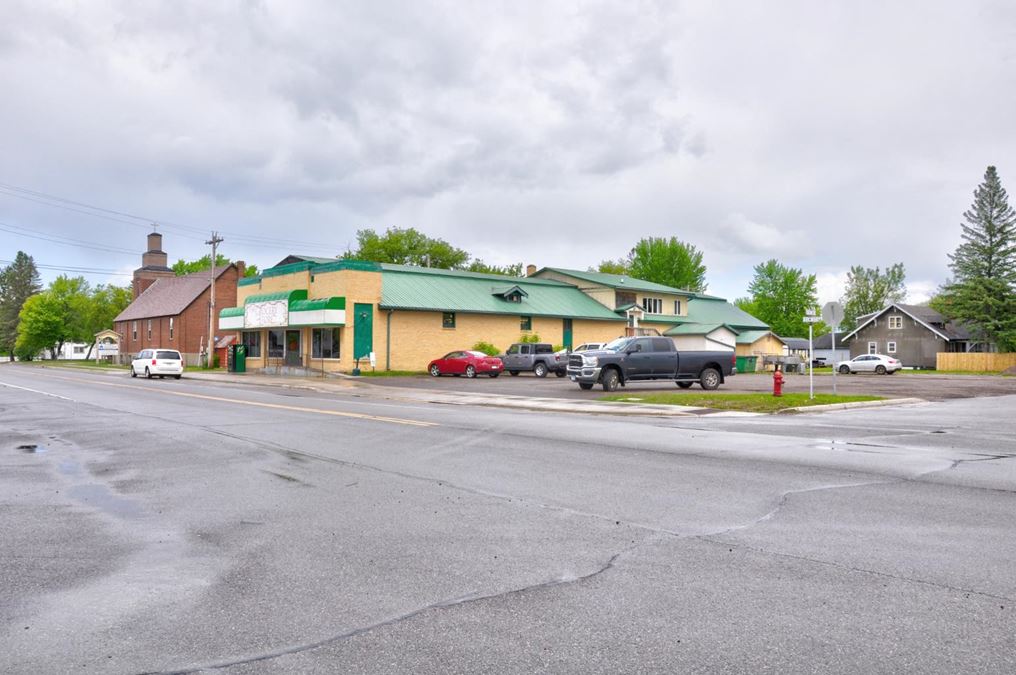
column 153, row 266
column 530, row 270
column 241, row 267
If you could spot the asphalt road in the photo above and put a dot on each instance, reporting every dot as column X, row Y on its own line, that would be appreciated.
column 931, row 387
column 164, row 526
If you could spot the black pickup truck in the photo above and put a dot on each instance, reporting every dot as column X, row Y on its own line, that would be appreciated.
column 637, row 359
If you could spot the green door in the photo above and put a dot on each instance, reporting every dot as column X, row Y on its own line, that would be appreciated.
column 363, row 330
column 567, row 334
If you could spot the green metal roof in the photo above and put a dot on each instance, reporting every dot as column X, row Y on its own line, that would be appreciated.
column 291, row 296
column 404, row 287
column 620, row 281
column 249, row 281
column 231, row 311
column 698, row 329
column 711, row 310
column 334, row 302
column 750, row 336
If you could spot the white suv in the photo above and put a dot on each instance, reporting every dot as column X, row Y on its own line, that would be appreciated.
column 161, row 362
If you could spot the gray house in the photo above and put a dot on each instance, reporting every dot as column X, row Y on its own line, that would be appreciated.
column 824, row 348
column 911, row 333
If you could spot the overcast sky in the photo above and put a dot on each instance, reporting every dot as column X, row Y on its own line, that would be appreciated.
column 556, row 133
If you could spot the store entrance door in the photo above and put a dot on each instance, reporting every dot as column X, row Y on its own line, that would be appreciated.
column 293, row 354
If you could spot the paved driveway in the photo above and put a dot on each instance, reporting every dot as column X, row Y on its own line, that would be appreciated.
column 901, row 385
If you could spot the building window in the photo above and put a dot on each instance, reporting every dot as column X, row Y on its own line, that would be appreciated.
column 896, row 322
column 652, row 305
column 872, row 347
column 325, row 343
column 448, row 320
column 170, row 328
column 149, row 329
column 526, row 323
column 276, row 344
column 677, row 307
column 134, row 330
column 252, row 341
column 79, row 349
column 890, row 348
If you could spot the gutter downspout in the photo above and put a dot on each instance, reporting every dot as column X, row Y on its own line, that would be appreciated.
column 388, row 341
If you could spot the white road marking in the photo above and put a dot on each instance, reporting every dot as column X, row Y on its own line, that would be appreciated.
column 36, row 391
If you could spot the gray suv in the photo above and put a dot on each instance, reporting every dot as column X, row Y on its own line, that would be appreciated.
column 538, row 357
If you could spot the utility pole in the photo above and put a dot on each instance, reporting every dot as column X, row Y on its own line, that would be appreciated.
column 214, row 243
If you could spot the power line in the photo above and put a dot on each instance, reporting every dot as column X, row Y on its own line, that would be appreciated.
column 78, row 270
column 141, row 221
column 66, row 241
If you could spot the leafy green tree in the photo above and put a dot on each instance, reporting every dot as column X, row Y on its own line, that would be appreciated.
column 619, row 266
column 59, row 314
column 869, row 290
column 105, row 303
column 781, row 296
column 182, row 267
column 406, row 247
column 514, row 270
column 18, row 282
column 670, row 262
column 982, row 294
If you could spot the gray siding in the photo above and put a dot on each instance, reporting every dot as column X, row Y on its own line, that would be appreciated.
column 916, row 346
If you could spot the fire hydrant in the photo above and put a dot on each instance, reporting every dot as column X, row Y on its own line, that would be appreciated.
column 777, row 383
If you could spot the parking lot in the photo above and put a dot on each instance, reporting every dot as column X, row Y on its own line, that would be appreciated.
column 931, row 387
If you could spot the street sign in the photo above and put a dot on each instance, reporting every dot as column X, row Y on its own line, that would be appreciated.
column 812, row 319
column 832, row 313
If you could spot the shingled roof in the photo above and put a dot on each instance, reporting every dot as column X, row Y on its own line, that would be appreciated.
column 168, row 296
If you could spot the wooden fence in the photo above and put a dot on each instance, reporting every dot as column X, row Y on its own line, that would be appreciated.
column 984, row 363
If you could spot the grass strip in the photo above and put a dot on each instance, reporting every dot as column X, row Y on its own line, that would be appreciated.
column 741, row 402
column 392, row 373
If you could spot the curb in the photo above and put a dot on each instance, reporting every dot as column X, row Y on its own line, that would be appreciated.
column 854, row 405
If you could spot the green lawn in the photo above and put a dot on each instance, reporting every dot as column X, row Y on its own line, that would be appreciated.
column 392, row 373
column 742, row 402
column 90, row 365
column 993, row 373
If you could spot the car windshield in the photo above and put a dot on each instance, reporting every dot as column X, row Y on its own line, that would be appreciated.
column 617, row 345
column 168, row 356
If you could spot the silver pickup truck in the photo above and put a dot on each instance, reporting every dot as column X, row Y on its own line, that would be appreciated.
column 538, row 357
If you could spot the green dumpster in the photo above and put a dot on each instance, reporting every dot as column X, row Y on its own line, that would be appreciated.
column 240, row 359
column 746, row 364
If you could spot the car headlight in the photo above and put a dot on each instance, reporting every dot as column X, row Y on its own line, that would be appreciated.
column 589, row 361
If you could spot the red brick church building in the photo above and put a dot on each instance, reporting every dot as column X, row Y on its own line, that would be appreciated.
column 171, row 312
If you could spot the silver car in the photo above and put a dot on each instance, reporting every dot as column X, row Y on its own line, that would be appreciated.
column 870, row 363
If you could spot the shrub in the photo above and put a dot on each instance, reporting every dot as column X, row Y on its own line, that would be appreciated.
column 558, row 348
column 532, row 338
column 486, row 348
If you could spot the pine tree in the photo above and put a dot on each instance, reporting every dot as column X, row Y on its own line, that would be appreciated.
column 982, row 294
column 18, row 282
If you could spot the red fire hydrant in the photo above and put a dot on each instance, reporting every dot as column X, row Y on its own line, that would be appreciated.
column 777, row 383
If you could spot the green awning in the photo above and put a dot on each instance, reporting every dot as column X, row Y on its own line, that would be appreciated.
column 333, row 302
column 290, row 296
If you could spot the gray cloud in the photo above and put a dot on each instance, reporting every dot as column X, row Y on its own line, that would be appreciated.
column 826, row 135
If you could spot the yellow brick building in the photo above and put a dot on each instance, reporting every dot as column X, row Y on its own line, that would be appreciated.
column 324, row 314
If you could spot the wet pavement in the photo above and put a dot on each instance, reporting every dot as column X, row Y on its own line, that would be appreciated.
column 180, row 526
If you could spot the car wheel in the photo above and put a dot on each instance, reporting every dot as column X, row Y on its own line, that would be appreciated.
column 610, row 381
column 435, row 371
column 685, row 385
column 844, row 370
column 493, row 375
column 513, row 373
column 880, row 370
column 709, row 379
column 148, row 373
column 560, row 373
column 176, row 377
column 470, row 372
column 540, row 370
column 585, row 386
column 133, row 374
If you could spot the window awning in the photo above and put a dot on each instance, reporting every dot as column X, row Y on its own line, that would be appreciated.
column 283, row 309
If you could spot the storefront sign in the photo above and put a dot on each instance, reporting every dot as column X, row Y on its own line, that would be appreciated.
column 269, row 314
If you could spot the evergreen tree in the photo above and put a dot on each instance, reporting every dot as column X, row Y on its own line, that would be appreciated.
column 982, row 294
column 18, row 282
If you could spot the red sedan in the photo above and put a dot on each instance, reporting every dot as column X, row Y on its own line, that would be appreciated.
column 466, row 363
